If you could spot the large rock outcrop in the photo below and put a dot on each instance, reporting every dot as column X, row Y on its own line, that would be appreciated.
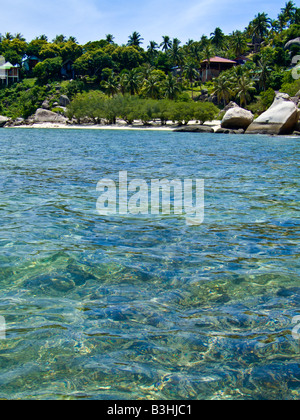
column 281, row 118
column 44, row 116
column 64, row 100
column 292, row 42
column 237, row 118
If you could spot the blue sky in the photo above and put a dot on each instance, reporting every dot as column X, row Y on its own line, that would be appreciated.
column 93, row 19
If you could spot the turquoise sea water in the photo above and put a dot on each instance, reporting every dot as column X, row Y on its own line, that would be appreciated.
column 130, row 307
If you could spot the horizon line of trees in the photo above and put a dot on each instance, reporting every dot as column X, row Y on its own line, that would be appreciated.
column 165, row 55
column 168, row 70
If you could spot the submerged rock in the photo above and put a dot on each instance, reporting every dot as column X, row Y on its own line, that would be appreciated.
column 194, row 129
column 237, row 118
column 229, row 131
column 281, row 118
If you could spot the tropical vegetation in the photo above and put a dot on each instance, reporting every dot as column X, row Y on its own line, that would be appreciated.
column 162, row 81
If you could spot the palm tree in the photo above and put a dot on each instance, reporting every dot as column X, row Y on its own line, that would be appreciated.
column 176, row 42
column 175, row 53
column 289, row 10
column 195, row 51
column 132, row 81
column 146, row 70
column 111, row 86
column 110, row 38
column 19, row 36
column 296, row 17
column 152, row 49
column 204, row 41
column 171, row 87
column 218, row 38
column 238, row 43
column 259, row 27
column 73, row 39
column 264, row 72
column 135, row 40
column 152, row 87
column 8, row 36
column 223, row 89
column 42, row 37
column 191, row 73
column 282, row 22
column 208, row 53
column 59, row 39
column 275, row 27
column 166, row 44
column 244, row 88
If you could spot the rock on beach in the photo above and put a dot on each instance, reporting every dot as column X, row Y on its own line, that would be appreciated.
column 237, row 118
column 281, row 118
column 44, row 116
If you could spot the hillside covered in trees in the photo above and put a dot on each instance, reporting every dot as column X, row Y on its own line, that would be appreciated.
column 165, row 80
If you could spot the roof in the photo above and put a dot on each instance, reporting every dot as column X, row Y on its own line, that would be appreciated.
column 217, row 59
column 6, row 66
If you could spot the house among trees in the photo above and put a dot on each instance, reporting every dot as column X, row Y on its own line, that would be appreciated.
column 29, row 62
column 213, row 67
column 8, row 72
column 67, row 70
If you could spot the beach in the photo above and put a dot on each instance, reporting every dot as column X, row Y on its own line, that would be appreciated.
column 121, row 125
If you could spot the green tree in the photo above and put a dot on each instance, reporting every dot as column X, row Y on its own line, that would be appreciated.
column 111, row 86
column 190, row 71
column 264, row 72
column 59, row 39
column 71, row 51
column 152, row 87
column 171, row 87
column 175, row 53
column 223, row 89
column 50, row 51
column 135, row 40
column 13, row 57
column 152, row 50
column 110, row 38
column 289, row 11
column 131, row 81
column 127, row 58
column 166, row 44
column 244, row 88
column 259, row 27
column 218, row 38
column 208, row 53
column 49, row 69
column 238, row 43
column 35, row 46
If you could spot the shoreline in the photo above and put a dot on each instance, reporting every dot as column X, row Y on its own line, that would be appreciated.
column 171, row 127
column 119, row 126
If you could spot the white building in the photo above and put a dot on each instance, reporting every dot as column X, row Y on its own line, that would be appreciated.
column 8, row 72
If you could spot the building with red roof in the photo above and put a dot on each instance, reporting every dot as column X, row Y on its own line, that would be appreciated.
column 215, row 66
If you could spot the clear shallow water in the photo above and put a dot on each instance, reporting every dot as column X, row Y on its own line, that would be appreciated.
column 148, row 307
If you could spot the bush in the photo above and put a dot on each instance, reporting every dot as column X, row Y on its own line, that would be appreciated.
column 48, row 70
column 97, row 106
column 291, row 88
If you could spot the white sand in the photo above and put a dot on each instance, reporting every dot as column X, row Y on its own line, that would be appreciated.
column 119, row 126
